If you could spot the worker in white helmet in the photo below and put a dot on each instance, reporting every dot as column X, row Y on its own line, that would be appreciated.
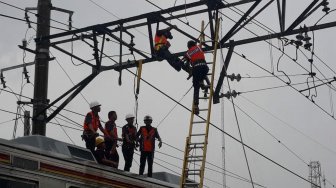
column 91, row 125
column 129, row 141
column 146, row 136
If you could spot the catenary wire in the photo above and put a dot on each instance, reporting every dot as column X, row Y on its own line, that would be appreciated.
column 287, row 124
column 276, row 87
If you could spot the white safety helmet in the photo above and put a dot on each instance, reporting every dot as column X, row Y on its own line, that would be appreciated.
column 129, row 116
column 148, row 117
column 94, row 104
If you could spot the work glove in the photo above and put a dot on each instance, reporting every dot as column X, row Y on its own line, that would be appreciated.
column 160, row 144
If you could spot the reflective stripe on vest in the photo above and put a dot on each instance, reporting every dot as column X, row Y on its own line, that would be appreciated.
column 195, row 53
column 148, row 139
column 94, row 122
column 160, row 41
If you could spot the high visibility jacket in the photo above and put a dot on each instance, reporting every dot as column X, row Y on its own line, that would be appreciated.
column 160, row 41
column 195, row 53
column 111, row 129
column 94, row 121
column 148, row 139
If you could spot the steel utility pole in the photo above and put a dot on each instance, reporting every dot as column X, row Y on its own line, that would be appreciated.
column 41, row 67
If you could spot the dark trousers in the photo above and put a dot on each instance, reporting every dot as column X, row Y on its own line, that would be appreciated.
column 150, row 158
column 199, row 74
column 108, row 144
column 128, row 156
column 90, row 141
column 173, row 60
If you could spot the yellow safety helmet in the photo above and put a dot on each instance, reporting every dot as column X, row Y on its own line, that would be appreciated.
column 99, row 140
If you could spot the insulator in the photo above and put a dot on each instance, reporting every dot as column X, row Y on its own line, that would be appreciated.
column 227, row 95
column 326, row 9
column 299, row 36
column 298, row 43
column 2, row 80
column 234, row 93
column 70, row 21
column 238, row 77
column 24, row 43
column 307, row 45
column 25, row 72
column 325, row 4
column 306, row 37
column 233, row 77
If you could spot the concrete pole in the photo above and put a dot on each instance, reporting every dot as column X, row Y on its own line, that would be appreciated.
column 41, row 68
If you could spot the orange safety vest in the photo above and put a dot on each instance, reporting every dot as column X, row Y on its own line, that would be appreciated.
column 160, row 41
column 148, row 139
column 195, row 53
column 95, row 122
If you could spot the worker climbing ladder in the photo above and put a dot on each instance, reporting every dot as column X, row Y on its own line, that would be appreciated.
column 197, row 140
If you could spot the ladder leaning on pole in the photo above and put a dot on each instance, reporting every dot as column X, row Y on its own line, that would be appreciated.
column 197, row 140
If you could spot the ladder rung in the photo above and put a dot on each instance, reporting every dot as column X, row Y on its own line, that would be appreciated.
column 205, row 109
column 193, row 174
column 209, row 63
column 197, row 122
column 209, row 74
column 193, row 170
column 196, row 156
column 191, row 184
column 204, row 98
column 197, row 143
column 196, row 147
column 195, row 160
column 197, row 135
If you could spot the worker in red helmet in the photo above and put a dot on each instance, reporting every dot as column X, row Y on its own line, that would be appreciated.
column 162, row 45
column 195, row 56
column 146, row 136
column 91, row 125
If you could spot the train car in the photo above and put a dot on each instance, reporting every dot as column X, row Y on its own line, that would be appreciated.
column 41, row 162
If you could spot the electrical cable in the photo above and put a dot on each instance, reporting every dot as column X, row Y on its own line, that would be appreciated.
column 276, row 87
column 186, row 23
column 173, row 107
column 19, row 19
column 268, row 132
column 69, row 77
column 231, row 174
column 239, row 130
column 272, row 76
column 37, row 15
column 267, row 42
column 63, row 130
column 7, row 121
column 115, row 16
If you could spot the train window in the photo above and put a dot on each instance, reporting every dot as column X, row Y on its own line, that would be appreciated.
column 80, row 153
column 11, row 182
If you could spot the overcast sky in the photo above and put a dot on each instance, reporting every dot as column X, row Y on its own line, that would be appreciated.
column 280, row 123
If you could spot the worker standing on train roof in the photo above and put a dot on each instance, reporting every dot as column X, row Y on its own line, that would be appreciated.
column 162, row 45
column 111, row 139
column 195, row 56
column 101, row 155
column 146, row 136
column 91, row 125
column 129, row 141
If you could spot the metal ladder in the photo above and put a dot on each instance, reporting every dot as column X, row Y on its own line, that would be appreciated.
column 197, row 140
